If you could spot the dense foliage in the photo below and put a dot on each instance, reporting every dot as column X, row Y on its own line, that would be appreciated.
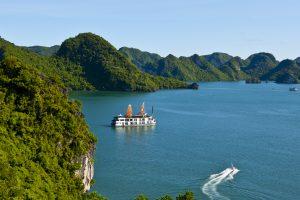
column 57, row 68
column 44, row 51
column 108, row 69
column 43, row 135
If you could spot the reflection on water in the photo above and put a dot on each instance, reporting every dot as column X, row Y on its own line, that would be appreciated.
column 134, row 130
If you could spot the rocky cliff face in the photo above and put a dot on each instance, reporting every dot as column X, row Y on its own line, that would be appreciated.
column 86, row 172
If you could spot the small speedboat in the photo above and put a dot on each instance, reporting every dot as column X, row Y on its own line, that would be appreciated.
column 233, row 168
column 233, row 171
column 293, row 89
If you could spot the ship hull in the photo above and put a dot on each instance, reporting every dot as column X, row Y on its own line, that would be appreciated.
column 133, row 121
column 133, row 125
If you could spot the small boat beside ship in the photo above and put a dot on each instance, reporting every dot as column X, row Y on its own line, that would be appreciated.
column 131, row 120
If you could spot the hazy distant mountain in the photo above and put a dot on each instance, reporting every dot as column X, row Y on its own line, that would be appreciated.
column 259, row 64
column 287, row 71
column 45, row 51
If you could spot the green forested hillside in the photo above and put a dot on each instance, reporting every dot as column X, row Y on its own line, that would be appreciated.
column 259, row 64
column 44, row 51
column 287, row 71
column 214, row 67
column 42, row 135
column 179, row 68
column 213, row 73
column 233, row 69
column 68, row 73
column 194, row 68
column 140, row 58
column 108, row 69
column 217, row 59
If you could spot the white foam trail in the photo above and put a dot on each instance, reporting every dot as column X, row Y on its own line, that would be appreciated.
column 210, row 187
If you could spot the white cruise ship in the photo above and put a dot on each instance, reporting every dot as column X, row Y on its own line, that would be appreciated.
column 130, row 120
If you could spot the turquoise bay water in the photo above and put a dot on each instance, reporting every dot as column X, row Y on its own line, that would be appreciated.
column 199, row 133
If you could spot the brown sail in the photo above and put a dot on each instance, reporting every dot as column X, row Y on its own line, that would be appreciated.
column 129, row 111
column 142, row 109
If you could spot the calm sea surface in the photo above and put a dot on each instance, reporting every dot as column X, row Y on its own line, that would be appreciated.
column 199, row 134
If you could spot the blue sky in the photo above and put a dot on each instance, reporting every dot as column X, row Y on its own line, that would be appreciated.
column 178, row 27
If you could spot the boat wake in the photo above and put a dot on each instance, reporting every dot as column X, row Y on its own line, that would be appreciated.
column 210, row 187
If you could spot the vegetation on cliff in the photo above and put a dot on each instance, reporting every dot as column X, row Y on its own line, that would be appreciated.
column 43, row 135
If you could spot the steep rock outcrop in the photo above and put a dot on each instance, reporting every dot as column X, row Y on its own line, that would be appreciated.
column 86, row 172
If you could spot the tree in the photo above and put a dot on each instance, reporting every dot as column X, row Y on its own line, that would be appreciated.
column 187, row 196
column 141, row 197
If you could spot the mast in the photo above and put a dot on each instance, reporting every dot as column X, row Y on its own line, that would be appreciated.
column 142, row 109
column 129, row 111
